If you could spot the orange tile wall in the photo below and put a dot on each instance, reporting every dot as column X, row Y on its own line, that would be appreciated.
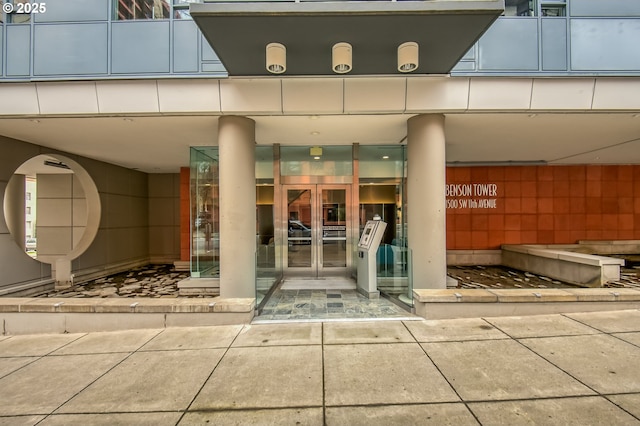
column 184, row 213
column 547, row 205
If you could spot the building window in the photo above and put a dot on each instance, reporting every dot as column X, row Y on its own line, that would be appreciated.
column 142, row 9
column 520, row 8
column 28, row 210
column 181, row 8
column 553, row 8
column 28, row 196
column 15, row 17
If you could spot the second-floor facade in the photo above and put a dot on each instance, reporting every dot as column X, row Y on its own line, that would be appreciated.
column 133, row 39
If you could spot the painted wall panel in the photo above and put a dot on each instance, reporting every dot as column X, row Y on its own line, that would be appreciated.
column 63, row 98
column 431, row 93
column 164, row 228
column 188, row 95
column 127, row 96
column 74, row 10
column 554, row 44
column 185, row 46
column 604, row 8
column 70, row 49
column 18, row 50
column 511, row 44
column 375, row 94
column 313, row 95
column 562, row 94
column 140, row 47
column 605, row 44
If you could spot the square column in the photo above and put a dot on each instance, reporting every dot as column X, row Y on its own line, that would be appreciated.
column 236, row 141
column 426, row 202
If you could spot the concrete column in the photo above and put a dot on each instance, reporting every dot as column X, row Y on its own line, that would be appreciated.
column 62, row 273
column 426, row 203
column 15, row 208
column 236, row 141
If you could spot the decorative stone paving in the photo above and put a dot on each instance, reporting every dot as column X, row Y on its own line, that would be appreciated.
column 500, row 277
column 327, row 304
column 497, row 276
column 160, row 281
column 148, row 281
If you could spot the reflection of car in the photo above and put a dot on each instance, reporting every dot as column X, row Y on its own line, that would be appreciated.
column 30, row 244
column 298, row 229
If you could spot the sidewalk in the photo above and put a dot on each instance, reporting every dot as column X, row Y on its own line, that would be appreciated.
column 575, row 369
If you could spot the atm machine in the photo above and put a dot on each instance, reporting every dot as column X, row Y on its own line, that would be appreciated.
column 367, row 251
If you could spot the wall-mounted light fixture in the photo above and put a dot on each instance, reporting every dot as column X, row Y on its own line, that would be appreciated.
column 58, row 164
column 408, row 57
column 315, row 151
column 276, row 58
column 341, row 58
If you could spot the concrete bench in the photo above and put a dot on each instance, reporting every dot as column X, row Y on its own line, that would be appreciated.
column 558, row 262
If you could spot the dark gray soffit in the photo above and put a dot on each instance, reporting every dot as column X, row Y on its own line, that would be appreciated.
column 444, row 30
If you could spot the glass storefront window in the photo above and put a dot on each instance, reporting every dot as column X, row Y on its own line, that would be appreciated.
column 266, row 268
column 316, row 161
column 205, row 223
column 382, row 184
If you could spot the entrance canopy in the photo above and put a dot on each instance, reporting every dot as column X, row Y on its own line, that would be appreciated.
column 444, row 31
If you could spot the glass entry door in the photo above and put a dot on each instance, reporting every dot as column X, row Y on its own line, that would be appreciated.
column 317, row 227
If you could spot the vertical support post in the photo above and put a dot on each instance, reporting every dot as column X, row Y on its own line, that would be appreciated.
column 15, row 208
column 426, row 179
column 62, row 273
column 236, row 141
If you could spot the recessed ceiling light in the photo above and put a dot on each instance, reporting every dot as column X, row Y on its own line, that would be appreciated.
column 315, row 133
column 316, row 158
column 385, row 157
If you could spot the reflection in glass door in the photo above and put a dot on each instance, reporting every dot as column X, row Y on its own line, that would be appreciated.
column 299, row 228
column 318, row 229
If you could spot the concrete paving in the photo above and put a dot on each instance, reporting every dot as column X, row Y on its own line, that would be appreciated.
column 573, row 369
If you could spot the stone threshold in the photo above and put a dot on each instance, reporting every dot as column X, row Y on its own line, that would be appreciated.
column 469, row 303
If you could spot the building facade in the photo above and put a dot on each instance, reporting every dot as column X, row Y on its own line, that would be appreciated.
column 169, row 132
